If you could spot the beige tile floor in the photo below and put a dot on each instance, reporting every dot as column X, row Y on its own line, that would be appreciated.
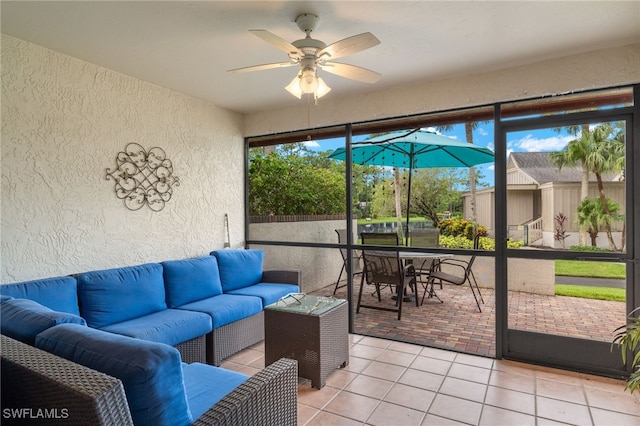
column 390, row 383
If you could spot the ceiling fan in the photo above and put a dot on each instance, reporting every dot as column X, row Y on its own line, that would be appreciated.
column 310, row 53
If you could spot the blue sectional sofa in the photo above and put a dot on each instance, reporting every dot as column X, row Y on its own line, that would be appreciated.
column 163, row 318
column 80, row 375
column 208, row 307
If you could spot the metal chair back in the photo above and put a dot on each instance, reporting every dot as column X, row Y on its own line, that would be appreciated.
column 385, row 268
column 466, row 274
column 429, row 237
column 356, row 268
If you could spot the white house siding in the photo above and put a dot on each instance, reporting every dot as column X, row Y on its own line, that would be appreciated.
column 516, row 177
column 565, row 197
column 63, row 123
column 484, row 209
column 519, row 207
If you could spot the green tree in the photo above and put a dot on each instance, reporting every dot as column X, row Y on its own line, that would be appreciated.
column 469, row 127
column 592, row 214
column 364, row 181
column 589, row 212
column 290, row 184
column 605, row 156
column 598, row 151
column 574, row 154
column 383, row 197
column 434, row 190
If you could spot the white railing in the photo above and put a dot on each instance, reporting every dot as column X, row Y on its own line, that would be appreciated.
column 534, row 230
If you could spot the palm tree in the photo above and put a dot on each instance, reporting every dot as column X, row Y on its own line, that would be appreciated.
column 597, row 152
column 576, row 153
column 620, row 137
column 591, row 214
column 589, row 217
column 604, row 157
column 469, row 127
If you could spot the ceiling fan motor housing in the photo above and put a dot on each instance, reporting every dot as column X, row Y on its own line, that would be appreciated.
column 307, row 22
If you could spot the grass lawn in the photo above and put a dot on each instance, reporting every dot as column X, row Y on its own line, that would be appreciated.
column 576, row 268
column 586, row 292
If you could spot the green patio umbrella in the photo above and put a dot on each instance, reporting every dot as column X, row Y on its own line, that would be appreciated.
column 415, row 149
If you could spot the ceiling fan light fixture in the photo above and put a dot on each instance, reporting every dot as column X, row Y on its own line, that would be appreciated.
column 308, row 81
column 294, row 87
column 323, row 89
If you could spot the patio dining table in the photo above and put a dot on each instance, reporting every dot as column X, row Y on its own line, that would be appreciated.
column 412, row 256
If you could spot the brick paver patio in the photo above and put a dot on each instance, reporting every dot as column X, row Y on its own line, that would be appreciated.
column 456, row 324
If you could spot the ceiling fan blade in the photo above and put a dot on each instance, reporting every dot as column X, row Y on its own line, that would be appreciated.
column 276, row 41
column 351, row 71
column 263, row 67
column 349, row 45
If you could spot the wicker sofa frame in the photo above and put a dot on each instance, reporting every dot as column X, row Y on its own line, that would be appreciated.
column 231, row 338
column 194, row 350
column 70, row 393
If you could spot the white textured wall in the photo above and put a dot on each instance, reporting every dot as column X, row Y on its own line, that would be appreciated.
column 63, row 122
column 319, row 267
column 602, row 68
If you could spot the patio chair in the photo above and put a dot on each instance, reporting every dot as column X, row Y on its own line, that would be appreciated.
column 385, row 268
column 465, row 274
column 356, row 268
column 429, row 237
column 380, row 239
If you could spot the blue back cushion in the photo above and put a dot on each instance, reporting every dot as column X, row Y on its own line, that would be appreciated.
column 239, row 268
column 59, row 294
column 23, row 319
column 151, row 373
column 116, row 295
column 190, row 280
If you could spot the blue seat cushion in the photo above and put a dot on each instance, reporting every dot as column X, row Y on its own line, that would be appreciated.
column 225, row 308
column 171, row 326
column 239, row 268
column 189, row 280
column 268, row 292
column 23, row 319
column 205, row 385
column 116, row 295
column 59, row 294
column 150, row 372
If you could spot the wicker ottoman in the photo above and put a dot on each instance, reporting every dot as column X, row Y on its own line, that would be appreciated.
column 310, row 329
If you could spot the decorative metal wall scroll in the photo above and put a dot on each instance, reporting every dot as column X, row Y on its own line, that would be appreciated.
column 143, row 177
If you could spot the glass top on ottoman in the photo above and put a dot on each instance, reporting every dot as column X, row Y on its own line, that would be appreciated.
column 305, row 304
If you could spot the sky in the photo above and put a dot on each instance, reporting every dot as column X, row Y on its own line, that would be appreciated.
column 529, row 141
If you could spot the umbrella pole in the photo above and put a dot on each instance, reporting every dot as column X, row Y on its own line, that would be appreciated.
column 396, row 184
column 406, row 241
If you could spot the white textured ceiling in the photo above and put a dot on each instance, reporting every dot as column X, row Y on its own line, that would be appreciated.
column 189, row 46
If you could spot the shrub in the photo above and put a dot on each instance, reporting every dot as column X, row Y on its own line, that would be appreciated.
column 485, row 243
column 461, row 227
column 628, row 337
column 590, row 249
